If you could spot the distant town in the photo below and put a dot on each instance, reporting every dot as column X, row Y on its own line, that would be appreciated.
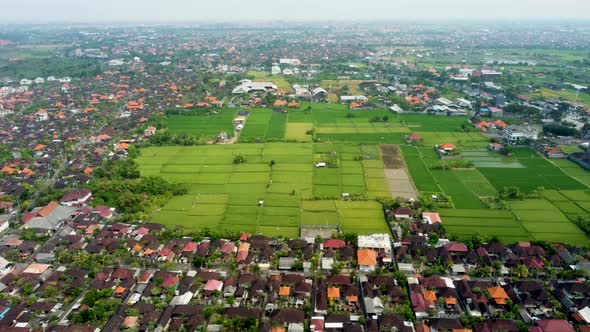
column 295, row 177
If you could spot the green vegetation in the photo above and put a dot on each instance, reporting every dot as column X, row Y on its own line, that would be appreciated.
column 545, row 222
column 226, row 182
column 224, row 194
column 207, row 125
column 537, row 172
column 118, row 184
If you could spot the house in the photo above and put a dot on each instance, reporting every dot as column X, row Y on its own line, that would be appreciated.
column 496, row 112
column 41, row 115
column 431, row 217
column 496, row 147
column 48, row 217
column 445, row 148
column 36, row 268
column 413, row 138
column 5, row 265
column 349, row 99
column 367, row 260
column 520, row 134
column 554, row 152
column 334, row 244
column 151, row 130
column 447, row 151
column 552, row 325
column 248, row 86
column 319, row 93
column 498, row 294
column 4, row 224
column 286, row 263
column 76, row 198
column 403, row 213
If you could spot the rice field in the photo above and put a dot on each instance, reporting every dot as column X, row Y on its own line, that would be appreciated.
column 546, row 221
column 225, row 196
column 202, row 125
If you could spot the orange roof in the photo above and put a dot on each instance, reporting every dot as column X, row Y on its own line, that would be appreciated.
column 280, row 102
column 497, row 292
column 130, row 321
column 48, row 209
column 88, row 170
column 278, row 329
column 500, row 301
column 434, row 217
column 36, row 268
column 41, row 111
column 367, row 257
column 450, row 300
column 120, row 290
column 352, row 298
column 333, row 293
column 8, row 170
column 123, row 146
column 429, row 295
column 500, row 123
column 447, row 146
column 284, row 291
column 39, row 147
column 103, row 136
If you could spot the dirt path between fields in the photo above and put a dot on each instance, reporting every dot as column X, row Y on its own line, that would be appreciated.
column 396, row 173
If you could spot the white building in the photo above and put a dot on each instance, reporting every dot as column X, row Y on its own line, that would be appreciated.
column 290, row 62
column 301, row 92
column 116, row 62
column 348, row 99
column 247, row 86
column 25, row 81
column 375, row 241
column 275, row 70
column 515, row 134
column 5, row 112
column 41, row 115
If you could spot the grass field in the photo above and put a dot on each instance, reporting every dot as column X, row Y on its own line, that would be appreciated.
column 546, row 222
column 202, row 125
column 464, row 187
column 264, row 125
column 223, row 195
column 464, row 223
column 574, row 170
column 537, row 172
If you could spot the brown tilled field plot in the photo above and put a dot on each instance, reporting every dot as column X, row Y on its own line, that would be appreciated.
column 396, row 173
column 391, row 156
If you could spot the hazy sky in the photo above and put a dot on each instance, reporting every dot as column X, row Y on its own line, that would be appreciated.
column 226, row 10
